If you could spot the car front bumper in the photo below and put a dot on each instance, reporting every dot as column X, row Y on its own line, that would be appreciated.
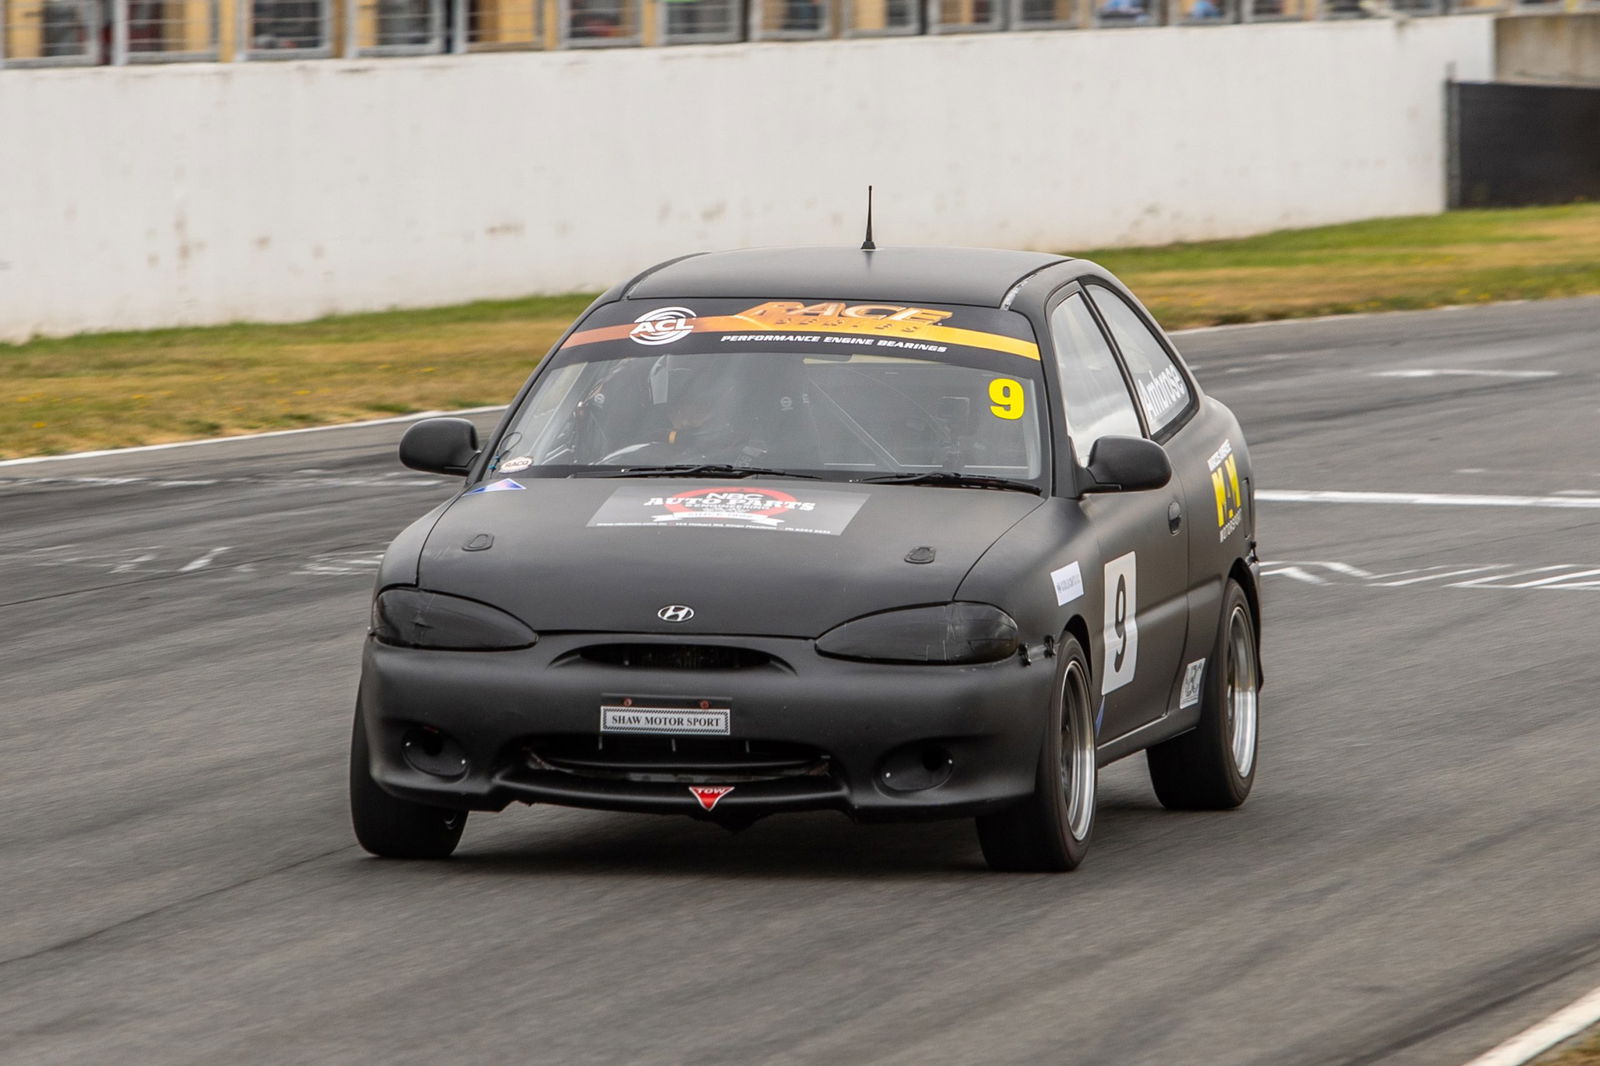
column 867, row 721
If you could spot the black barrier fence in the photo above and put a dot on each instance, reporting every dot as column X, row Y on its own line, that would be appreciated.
column 1512, row 145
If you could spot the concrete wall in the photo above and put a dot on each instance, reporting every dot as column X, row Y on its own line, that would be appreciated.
column 1548, row 49
column 138, row 197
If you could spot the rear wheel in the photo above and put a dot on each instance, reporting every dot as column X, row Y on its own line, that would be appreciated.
column 391, row 827
column 1214, row 766
column 1049, row 831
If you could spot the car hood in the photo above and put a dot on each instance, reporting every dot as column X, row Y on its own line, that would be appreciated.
column 774, row 558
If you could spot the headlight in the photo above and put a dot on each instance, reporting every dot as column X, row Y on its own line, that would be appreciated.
column 952, row 633
column 416, row 618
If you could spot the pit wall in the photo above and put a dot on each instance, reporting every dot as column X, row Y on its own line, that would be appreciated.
column 140, row 197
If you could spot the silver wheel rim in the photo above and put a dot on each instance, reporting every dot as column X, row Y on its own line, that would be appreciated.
column 1243, row 685
column 1077, row 752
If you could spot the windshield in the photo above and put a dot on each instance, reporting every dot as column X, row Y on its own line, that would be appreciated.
column 785, row 386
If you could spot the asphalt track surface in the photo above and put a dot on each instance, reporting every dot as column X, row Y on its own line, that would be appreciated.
column 1415, row 878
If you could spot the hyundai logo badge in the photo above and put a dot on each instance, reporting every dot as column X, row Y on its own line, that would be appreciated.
column 676, row 612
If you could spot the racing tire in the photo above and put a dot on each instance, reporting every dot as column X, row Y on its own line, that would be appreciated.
column 1049, row 831
column 393, row 828
column 1213, row 766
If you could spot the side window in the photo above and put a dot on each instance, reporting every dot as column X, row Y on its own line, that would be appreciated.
column 1163, row 391
column 1098, row 404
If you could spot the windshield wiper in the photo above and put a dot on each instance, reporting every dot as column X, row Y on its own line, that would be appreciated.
column 697, row 470
column 953, row 479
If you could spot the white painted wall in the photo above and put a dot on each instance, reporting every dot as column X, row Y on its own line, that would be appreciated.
column 152, row 196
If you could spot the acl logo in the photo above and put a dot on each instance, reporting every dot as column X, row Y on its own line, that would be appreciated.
column 676, row 612
column 663, row 325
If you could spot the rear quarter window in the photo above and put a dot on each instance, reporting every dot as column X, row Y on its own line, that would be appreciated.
column 1162, row 390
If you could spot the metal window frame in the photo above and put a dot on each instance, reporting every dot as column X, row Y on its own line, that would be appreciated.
column 632, row 40
column 244, row 20
column 732, row 35
column 91, row 57
column 849, row 28
column 999, row 10
column 461, row 42
column 1247, row 14
column 1156, row 16
column 354, row 49
column 121, row 39
column 1321, row 13
column 759, row 31
column 1017, row 22
column 1232, row 15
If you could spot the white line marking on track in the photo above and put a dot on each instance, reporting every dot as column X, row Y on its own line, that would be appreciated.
column 1297, row 573
column 1432, row 577
column 1428, row 373
column 1428, row 499
column 134, row 564
column 250, row 436
column 1500, row 576
column 1565, row 1023
column 202, row 562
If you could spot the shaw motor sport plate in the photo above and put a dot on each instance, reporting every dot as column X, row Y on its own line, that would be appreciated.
column 699, row 718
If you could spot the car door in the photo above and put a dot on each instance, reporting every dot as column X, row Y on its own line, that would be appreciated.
column 1142, row 617
column 1206, row 460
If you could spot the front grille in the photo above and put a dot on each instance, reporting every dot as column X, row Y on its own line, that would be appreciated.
column 651, row 758
column 675, row 656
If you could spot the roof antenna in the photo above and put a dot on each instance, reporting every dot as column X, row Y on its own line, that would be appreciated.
column 867, row 245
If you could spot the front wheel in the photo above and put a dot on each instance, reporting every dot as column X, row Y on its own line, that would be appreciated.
column 395, row 828
column 1214, row 766
column 1049, row 831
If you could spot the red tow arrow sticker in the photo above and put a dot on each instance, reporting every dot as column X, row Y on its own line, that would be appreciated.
column 709, row 796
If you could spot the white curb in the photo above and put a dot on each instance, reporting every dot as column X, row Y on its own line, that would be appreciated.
column 1562, row 1025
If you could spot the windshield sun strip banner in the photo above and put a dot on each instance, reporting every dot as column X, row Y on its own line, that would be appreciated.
column 665, row 325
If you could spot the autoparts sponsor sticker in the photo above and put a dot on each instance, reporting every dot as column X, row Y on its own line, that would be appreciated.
column 662, row 326
column 1068, row 582
column 724, row 507
column 708, row 795
column 503, row 485
column 1225, row 485
column 879, row 325
column 1193, row 675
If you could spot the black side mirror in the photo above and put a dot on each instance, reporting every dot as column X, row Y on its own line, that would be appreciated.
column 1128, row 464
column 440, row 445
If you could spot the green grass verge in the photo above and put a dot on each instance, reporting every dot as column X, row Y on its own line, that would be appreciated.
column 1585, row 1051
column 116, row 389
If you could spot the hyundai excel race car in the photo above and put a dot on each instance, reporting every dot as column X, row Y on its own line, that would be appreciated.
column 904, row 533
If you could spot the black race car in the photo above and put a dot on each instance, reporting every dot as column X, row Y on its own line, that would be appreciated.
column 903, row 533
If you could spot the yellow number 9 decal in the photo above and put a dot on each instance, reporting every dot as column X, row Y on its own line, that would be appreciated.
column 1007, row 397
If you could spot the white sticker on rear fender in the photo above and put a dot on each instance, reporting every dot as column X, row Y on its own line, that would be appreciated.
column 1122, row 622
column 1193, row 675
column 1068, row 582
